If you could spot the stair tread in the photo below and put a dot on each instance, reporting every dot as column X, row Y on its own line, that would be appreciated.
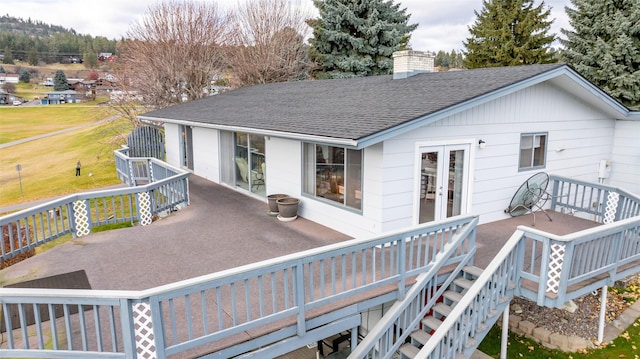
column 473, row 270
column 431, row 322
column 442, row 309
column 409, row 350
column 420, row 336
column 453, row 295
column 471, row 343
column 463, row 282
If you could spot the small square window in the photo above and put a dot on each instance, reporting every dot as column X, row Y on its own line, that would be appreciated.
column 533, row 151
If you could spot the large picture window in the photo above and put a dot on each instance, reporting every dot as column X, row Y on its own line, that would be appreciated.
column 533, row 150
column 334, row 174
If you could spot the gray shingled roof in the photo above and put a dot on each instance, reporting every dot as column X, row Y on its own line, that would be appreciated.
column 345, row 108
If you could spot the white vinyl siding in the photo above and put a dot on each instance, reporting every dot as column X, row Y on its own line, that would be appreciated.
column 578, row 137
column 625, row 159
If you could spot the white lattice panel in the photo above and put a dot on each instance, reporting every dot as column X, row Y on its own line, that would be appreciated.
column 556, row 258
column 143, row 329
column 81, row 218
column 144, row 208
column 612, row 207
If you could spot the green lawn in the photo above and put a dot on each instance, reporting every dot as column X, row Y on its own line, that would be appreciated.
column 48, row 164
column 625, row 346
column 18, row 122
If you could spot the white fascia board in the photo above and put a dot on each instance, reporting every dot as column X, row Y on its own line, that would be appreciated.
column 342, row 142
column 449, row 111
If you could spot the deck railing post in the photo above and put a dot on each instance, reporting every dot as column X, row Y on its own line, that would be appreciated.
column 81, row 210
column 402, row 268
column 566, row 264
column 554, row 196
column 300, row 298
column 158, row 325
column 145, row 215
column 128, row 333
column 149, row 170
column 544, row 270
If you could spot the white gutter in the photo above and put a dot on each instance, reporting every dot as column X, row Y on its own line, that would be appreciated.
column 343, row 142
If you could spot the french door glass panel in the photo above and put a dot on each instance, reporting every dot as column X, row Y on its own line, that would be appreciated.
column 443, row 179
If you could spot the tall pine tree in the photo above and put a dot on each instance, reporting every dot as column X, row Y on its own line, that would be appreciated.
column 353, row 38
column 605, row 45
column 509, row 33
column 60, row 81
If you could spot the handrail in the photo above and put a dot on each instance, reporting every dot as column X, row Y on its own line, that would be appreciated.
column 441, row 344
column 406, row 314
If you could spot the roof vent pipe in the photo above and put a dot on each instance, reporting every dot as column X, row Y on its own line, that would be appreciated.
column 407, row 63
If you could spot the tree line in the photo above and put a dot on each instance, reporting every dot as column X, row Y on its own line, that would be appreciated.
column 171, row 54
column 35, row 41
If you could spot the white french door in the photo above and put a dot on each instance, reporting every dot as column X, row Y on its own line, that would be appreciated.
column 444, row 179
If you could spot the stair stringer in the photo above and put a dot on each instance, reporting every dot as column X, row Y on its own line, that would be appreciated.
column 384, row 339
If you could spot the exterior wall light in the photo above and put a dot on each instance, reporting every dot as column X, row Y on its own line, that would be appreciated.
column 482, row 144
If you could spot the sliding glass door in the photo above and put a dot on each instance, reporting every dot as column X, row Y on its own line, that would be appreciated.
column 250, row 162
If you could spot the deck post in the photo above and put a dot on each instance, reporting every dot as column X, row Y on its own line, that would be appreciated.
column 505, row 333
column 603, row 311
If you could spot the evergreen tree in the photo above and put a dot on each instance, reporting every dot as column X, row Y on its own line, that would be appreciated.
column 60, row 81
column 32, row 57
column 605, row 45
column 24, row 76
column 8, row 56
column 509, row 33
column 90, row 59
column 456, row 60
column 2, row 70
column 357, row 38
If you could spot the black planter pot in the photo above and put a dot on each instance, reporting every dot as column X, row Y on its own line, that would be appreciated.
column 273, row 204
column 288, row 208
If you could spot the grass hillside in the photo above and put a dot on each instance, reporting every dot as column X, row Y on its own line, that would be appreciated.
column 21, row 122
column 48, row 164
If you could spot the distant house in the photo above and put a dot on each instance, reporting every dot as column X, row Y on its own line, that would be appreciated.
column 7, row 98
column 60, row 97
column 375, row 154
column 9, row 79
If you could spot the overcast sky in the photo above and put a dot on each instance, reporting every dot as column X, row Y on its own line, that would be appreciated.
column 442, row 24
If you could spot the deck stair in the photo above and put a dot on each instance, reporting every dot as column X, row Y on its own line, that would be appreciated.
column 449, row 299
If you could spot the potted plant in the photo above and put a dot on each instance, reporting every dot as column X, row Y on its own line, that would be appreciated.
column 288, row 208
column 273, row 205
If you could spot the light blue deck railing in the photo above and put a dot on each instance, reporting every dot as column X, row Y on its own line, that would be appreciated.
column 295, row 299
column 546, row 268
column 606, row 204
column 77, row 214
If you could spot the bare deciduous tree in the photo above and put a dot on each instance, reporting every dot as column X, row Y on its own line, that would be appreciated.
column 173, row 51
column 269, row 43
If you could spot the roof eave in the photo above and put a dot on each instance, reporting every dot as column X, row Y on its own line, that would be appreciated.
column 342, row 142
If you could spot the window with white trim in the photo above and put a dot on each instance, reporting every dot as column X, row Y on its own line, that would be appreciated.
column 333, row 174
column 533, row 151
